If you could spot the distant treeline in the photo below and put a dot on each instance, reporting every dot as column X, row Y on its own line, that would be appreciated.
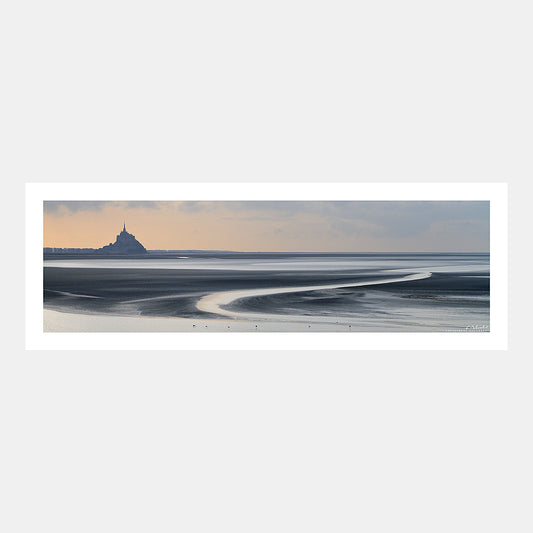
column 48, row 250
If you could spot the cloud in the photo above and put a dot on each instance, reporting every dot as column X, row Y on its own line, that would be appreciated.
column 136, row 204
column 398, row 218
column 402, row 219
column 73, row 206
column 77, row 206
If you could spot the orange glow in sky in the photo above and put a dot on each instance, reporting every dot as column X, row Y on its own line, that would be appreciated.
column 272, row 226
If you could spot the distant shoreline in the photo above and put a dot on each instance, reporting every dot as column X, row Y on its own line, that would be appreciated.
column 98, row 253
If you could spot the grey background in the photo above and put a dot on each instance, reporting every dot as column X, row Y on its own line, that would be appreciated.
column 284, row 441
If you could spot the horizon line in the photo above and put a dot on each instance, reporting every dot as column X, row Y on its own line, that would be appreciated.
column 168, row 250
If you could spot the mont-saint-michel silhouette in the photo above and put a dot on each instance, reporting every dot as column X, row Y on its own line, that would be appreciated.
column 125, row 243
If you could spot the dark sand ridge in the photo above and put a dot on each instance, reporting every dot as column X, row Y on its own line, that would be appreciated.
column 157, row 291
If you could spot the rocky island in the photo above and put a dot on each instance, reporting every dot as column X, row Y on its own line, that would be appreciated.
column 125, row 243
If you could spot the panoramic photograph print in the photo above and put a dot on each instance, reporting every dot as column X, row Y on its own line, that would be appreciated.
column 266, row 266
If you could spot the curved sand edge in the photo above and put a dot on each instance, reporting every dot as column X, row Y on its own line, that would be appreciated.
column 212, row 303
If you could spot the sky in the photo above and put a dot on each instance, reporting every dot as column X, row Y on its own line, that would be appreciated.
column 307, row 226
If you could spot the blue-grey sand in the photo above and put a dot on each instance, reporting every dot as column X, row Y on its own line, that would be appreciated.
column 285, row 292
